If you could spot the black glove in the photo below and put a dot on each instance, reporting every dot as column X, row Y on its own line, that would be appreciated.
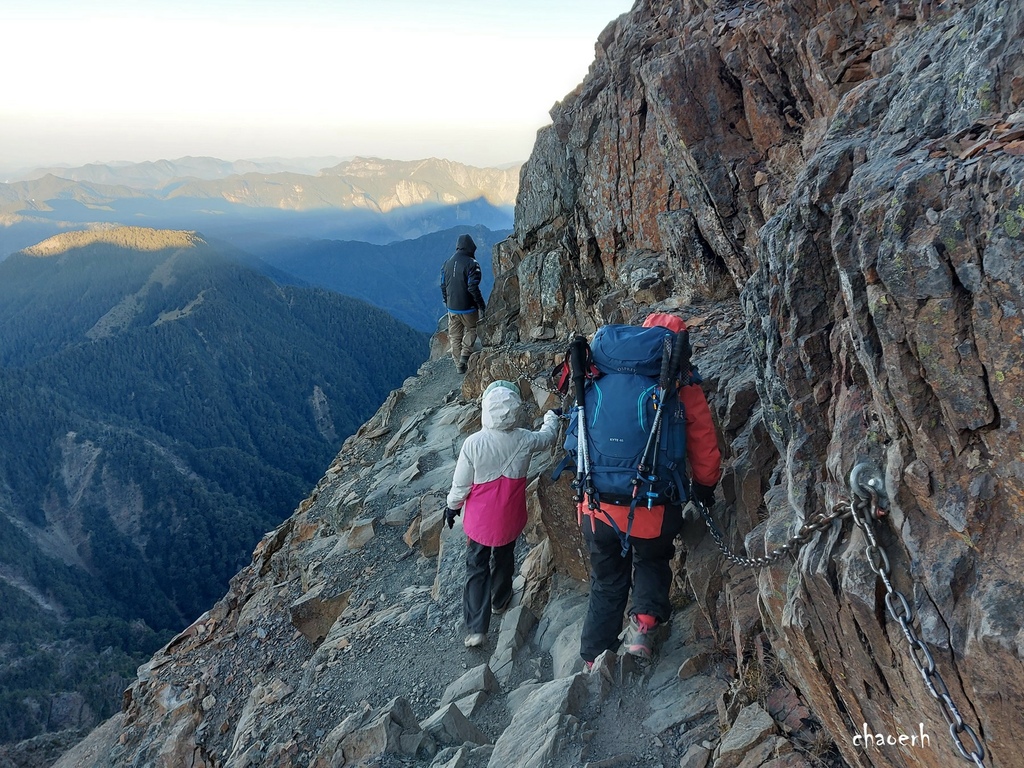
column 703, row 494
column 557, row 412
column 450, row 515
column 480, row 312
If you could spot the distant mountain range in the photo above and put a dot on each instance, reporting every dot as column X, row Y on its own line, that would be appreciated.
column 162, row 405
column 366, row 199
column 158, row 173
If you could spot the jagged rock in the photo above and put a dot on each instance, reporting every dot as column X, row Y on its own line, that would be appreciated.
column 536, row 573
column 607, row 670
column 519, row 695
column 410, row 473
column 676, row 648
column 431, row 523
column 565, row 651
column 566, row 608
column 785, row 708
column 412, row 534
column 481, row 755
column 751, row 727
column 417, row 744
column 515, row 627
column 450, row 576
column 449, row 726
column 451, row 757
column 471, row 704
column 400, row 515
column 314, row 613
column 568, row 550
column 696, row 756
column 760, row 754
column 371, row 733
column 533, row 737
column 477, row 679
column 354, row 537
column 744, row 613
column 691, row 699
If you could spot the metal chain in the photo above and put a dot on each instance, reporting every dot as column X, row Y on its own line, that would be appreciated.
column 818, row 522
column 866, row 511
column 543, row 383
column 869, row 504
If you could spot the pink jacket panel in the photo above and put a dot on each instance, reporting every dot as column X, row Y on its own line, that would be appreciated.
column 495, row 512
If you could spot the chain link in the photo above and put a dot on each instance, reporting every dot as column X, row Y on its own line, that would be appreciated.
column 865, row 512
column 818, row 522
column 539, row 378
column 868, row 505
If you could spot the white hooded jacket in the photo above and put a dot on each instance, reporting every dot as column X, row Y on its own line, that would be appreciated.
column 490, row 476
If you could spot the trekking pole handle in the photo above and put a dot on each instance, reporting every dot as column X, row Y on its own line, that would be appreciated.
column 578, row 365
column 667, row 352
column 681, row 355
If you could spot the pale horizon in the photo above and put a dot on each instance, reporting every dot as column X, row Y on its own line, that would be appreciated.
column 121, row 81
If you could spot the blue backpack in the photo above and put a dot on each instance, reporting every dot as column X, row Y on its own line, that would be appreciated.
column 634, row 433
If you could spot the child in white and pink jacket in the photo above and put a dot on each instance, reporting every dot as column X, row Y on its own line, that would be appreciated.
column 490, row 487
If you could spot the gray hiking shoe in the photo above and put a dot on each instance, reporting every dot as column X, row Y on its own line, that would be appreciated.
column 638, row 638
column 475, row 640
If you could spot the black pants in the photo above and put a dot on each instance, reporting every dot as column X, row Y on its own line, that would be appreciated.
column 489, row 572
column 647, row 567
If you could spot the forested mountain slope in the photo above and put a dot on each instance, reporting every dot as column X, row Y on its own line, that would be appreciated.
column 161, row 406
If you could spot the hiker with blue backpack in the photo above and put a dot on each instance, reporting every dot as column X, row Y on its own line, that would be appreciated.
column 489, row 491
column 640, row 418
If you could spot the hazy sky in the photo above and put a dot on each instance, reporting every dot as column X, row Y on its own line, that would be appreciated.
column 468, row 80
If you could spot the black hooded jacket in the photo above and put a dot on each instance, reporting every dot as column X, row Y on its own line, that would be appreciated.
column 460, row 279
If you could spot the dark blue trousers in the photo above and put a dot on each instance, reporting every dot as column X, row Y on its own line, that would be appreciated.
column 489, row 572
column 647, row 568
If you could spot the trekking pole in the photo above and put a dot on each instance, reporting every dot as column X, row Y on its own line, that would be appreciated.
column 578, row 362
column 649, row 458
column 678, row 371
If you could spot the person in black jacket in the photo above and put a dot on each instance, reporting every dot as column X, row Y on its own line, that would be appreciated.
column 460, row 287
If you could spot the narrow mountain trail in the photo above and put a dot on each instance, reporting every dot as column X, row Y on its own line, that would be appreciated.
column 404, row 629
column 401, row 633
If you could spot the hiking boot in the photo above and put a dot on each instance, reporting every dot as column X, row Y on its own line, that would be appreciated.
column 639, row 636
column 497, row 610
column 475, row 640
column 463, row 364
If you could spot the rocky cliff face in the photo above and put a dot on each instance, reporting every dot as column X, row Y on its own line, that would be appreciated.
column 833, row 193
column 855, row 169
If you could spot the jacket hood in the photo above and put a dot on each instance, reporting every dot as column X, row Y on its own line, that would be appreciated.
column 500, row 407
column 665, row 320
column 465, row 243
